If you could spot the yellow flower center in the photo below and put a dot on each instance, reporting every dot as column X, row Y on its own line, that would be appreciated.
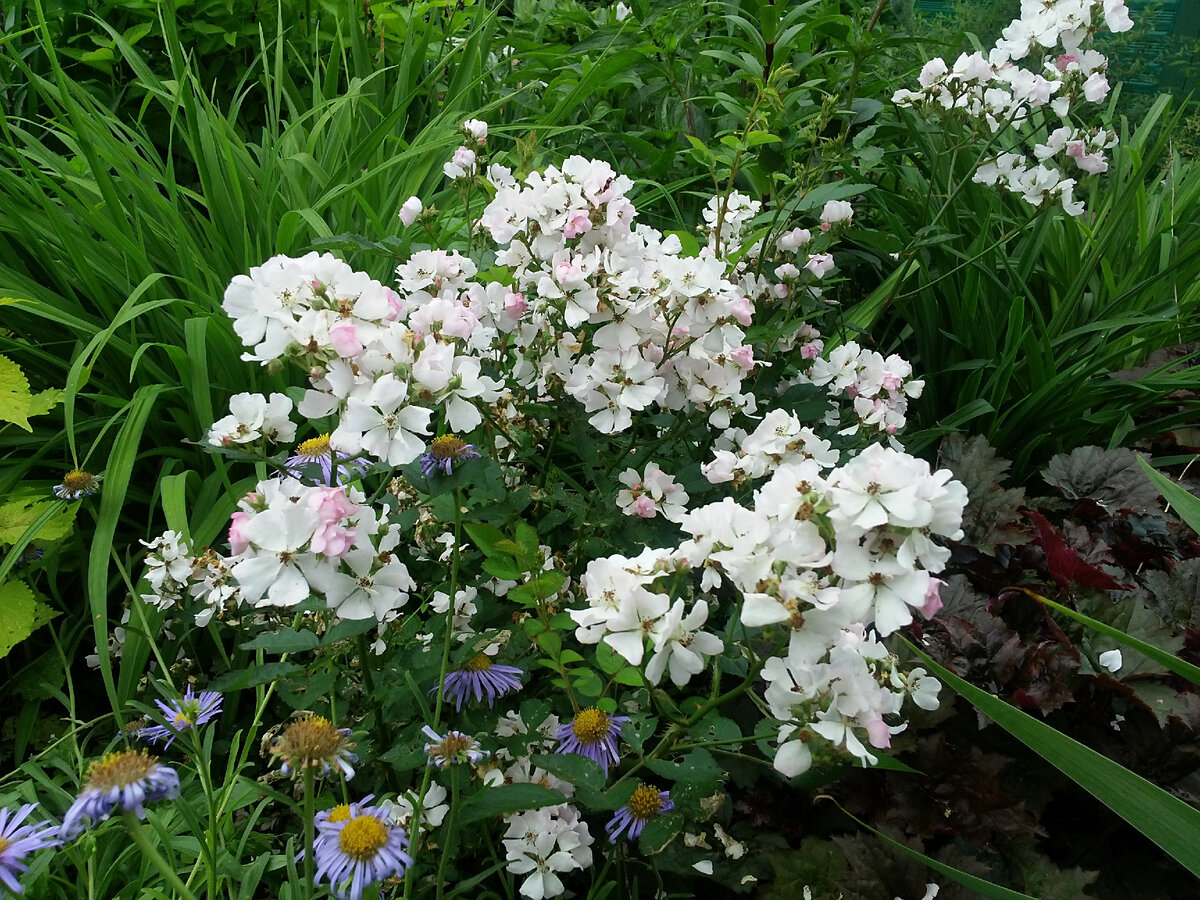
column 79, row 480
column 4, row 843
column 340, row 813
column 590, row 726
column 314, row 448
column 481, row 662
column 120, row 769
column 448, row 446
column 645, row 802
column 362, row 837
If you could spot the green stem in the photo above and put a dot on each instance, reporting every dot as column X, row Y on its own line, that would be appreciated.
column 449, row 836
column 310, row 802
column 138, row 833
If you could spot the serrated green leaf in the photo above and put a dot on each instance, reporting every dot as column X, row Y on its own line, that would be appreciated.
column 629, row 676
column 485, row 537
column 507, row 798
column 21, row 512
column 550, row 642
column 21, row 613
column 285, row 640
column 44, row 401
column 247, row 678
column 572, row 767
column 659, row 832
column 15, row 398
column 696, row 765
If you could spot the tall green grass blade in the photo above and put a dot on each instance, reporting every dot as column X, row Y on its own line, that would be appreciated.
column 1185, row 504
column 1166, row 820
column 118, row 474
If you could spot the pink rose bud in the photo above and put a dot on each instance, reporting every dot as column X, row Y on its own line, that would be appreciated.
column 644, row 507
column 514, row 304
column 238, row 542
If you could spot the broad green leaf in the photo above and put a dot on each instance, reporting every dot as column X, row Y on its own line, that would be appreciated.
column 21, row 613
column 285, row 640
column 507, row 798
column 1164, row 819
column 572, row 767
column 23, row 511
column 247, row 678
column 15, row 399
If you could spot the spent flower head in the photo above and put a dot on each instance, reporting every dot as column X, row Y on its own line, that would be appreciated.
column 126, row 779
column 454, row 748
column 312, row 742
column 17, row 841
column 77, row 484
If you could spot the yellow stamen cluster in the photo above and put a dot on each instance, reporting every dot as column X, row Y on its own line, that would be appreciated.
column 590, row 726
column 120, row 769
column 314, row 448
column 363, row 837
column 340, row 813
column 79, row 480
column 448, row 446
column 480, row 662
column 645, row 802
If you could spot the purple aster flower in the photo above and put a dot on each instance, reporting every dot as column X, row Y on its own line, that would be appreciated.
column 453, row 749
column 317, row 450
column 480, row 676
column 313, row 742
column 187, row 712
column 17, row 841
column 355, row 847
column 646, row 803
column 77, row 484
column 444, row 452
column 126, row 779
column 594, row 734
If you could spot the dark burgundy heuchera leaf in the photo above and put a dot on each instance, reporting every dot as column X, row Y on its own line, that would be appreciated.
column 991, row 515
column 1112, row 478
column 1066, row 566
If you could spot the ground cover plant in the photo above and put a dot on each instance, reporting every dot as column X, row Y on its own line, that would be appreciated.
column 563, row 535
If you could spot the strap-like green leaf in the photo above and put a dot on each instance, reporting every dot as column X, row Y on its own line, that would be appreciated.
column 1164, row 819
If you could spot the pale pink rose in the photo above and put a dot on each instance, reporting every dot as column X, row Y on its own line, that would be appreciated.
column 410, row 210
column 578, row 223
column 878, row 733
column 933, row 600
column 238, row 542
column 344, row 337
column 514, row 304
column 644, row 507
column 819, row 264
column 742, row 310
column 744, row 357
